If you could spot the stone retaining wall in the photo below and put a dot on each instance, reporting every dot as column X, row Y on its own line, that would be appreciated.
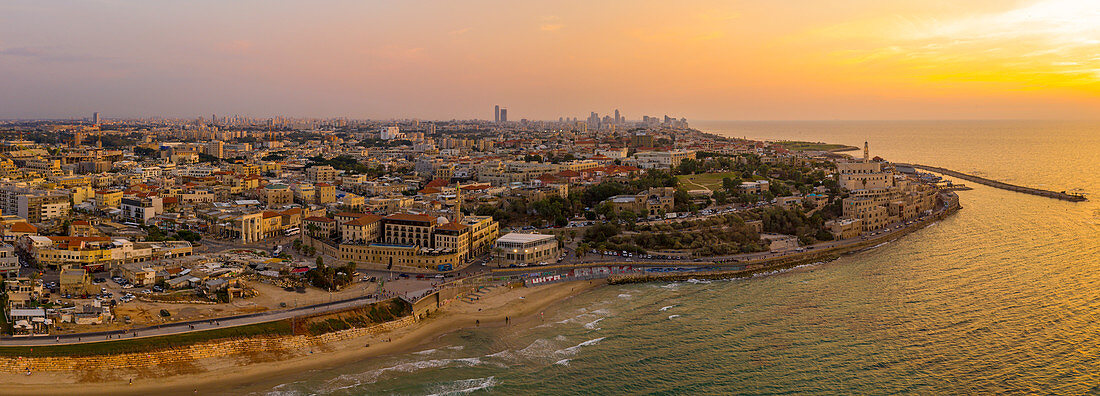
column 216, row 349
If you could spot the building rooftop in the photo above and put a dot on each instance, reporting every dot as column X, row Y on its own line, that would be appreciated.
column 411, row 217
column 515, row 237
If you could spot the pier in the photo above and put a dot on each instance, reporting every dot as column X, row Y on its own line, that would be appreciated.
column 1001, row 185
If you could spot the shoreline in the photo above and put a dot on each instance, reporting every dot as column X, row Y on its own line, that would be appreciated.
column 222, row 375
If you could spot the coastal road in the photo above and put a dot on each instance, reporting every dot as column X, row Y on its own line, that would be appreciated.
column 189, row 326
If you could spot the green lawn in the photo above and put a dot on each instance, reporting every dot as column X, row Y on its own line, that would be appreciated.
column 711, row 181
column 149, row 344
column 814, row 146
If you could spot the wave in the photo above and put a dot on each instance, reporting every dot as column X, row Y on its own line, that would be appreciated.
column 666, row 308
column 280, row 391
column 592, row 324
column 563, row 362
column 462, row 387
column 670, row 317
column 624, row 295
column 780, row 271
column 697, row 281
column 349, row 381
column 426, row 352
column 573, row 349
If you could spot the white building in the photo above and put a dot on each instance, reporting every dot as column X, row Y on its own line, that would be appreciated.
column 662, row 159
column 196, row 171
column 526, row 249
column 863, row 176
column 391, row 133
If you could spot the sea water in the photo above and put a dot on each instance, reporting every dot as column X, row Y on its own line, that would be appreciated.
column 1003, row 297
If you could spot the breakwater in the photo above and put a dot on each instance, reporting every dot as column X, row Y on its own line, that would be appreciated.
column 1001, row 185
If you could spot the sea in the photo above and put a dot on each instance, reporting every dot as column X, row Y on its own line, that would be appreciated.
column 1002, row 297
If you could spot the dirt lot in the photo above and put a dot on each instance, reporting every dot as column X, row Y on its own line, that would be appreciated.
column 269, row 297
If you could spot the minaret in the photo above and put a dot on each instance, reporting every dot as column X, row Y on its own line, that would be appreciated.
column 866, row 152
column 458, row 204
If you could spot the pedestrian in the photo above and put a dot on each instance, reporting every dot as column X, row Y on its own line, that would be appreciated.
column 477, row 322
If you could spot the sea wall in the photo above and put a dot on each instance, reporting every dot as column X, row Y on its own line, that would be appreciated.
column 750, row 268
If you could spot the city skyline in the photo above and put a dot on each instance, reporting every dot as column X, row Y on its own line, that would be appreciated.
column 852, row 59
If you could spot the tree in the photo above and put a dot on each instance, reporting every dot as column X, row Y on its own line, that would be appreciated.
column 188, row 235
column 601, row 232
column 320, row 261
column 572, row 235
column 628, row 216
column 688, row 167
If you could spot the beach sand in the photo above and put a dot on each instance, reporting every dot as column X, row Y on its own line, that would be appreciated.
column 223, row 375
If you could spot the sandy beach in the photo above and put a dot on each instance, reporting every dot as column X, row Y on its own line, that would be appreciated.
column 223, row 375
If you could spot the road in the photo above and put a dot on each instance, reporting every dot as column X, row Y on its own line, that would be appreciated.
column 410, row 288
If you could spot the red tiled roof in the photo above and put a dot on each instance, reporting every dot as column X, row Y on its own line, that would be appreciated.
column 69, row 242
column 437, row 183
column 410, row 217
column 349, row 214
column 319, row 219
column 23, row 226
column 365, row 220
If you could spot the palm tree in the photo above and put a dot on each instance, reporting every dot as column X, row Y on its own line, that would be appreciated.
column 498, row 254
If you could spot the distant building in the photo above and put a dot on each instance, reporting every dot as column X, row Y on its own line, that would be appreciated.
column 9, row 263
column 34, row 205
column 662, row 159
column 390, row 133
column 321, row 174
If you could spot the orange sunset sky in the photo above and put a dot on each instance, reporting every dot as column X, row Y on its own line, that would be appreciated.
column 717, row 60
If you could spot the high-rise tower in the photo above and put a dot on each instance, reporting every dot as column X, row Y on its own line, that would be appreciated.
column 496, row 113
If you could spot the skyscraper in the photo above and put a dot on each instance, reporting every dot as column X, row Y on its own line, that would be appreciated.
column 617, row 118
column 496, row 113
column 95, row 118
column 503, row 115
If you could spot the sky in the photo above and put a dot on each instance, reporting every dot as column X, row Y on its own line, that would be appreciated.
column 703, row 60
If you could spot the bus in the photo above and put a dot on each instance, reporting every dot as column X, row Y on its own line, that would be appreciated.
column 292, row 231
